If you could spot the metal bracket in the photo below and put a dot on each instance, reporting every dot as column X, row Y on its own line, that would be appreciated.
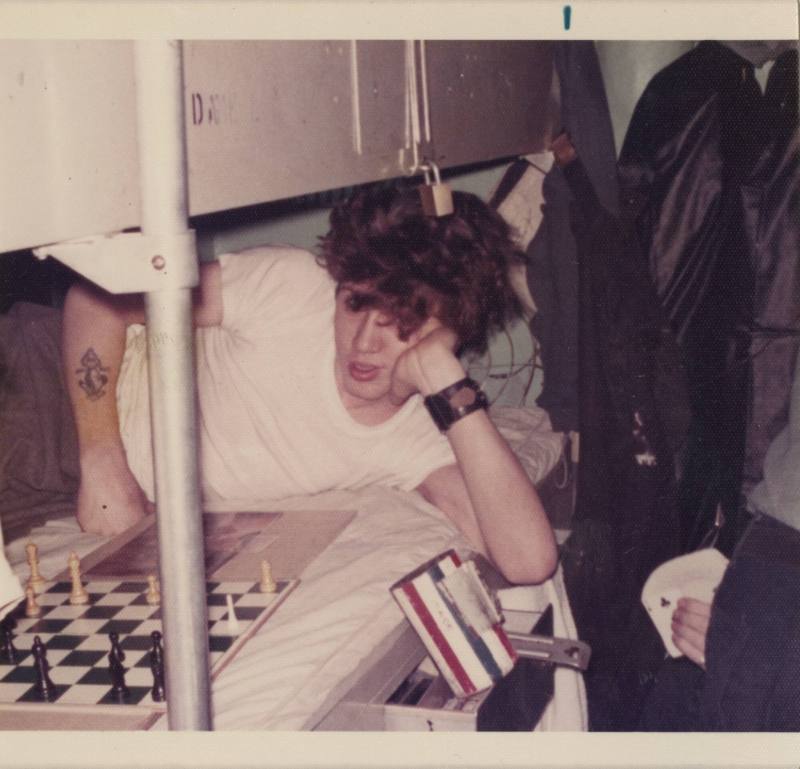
column 559, row 651
column 131, row 262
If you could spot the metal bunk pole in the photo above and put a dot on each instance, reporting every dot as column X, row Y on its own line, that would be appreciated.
column 163, row 180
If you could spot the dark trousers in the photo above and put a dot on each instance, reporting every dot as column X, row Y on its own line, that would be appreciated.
column 752, row 677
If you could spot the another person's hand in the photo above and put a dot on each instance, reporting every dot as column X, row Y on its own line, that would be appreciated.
column 690, row 627
column 429, row 364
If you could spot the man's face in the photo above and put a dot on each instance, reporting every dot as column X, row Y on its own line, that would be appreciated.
column 367, row 347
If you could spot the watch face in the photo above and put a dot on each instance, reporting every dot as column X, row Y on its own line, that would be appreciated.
column 464, row 397
column 454, row 402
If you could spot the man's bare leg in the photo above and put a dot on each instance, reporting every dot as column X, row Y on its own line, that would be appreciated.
column 109, row 498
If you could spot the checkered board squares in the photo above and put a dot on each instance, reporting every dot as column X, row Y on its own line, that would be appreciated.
column 77, row 640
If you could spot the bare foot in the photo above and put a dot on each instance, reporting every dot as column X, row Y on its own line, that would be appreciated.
column 109, row 498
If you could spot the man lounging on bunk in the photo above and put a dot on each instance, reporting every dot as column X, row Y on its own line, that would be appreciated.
column 336, row 373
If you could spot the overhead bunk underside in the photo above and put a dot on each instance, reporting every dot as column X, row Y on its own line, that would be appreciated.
column 265, row 120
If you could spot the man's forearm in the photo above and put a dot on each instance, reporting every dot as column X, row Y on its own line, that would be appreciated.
column 507, row 508
column 94, row 328
column 505, row 505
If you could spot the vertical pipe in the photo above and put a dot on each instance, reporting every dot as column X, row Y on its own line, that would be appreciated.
column 163, row 180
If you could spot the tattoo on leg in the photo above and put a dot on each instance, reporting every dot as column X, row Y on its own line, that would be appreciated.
column 93, row 378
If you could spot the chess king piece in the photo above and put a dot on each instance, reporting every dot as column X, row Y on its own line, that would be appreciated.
column 116, row 669
column 78, row 595
column 153, row 595
column 44, row 687
column 32, row 609
column 36, row 580
column 267, row 584
column 158, row 692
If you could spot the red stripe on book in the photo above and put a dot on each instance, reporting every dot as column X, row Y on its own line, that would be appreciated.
column 501, row 634
column 461, row 675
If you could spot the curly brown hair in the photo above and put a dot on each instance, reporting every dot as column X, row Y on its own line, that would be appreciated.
column 452, row 267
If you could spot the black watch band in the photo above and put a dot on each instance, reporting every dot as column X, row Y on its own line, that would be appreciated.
column 444, row 413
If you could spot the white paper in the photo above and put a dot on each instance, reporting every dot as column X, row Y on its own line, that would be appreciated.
column 695, row 575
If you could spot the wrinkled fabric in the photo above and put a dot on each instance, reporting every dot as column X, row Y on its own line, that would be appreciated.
column 709, row 172
column 10, row 586
column 39, row 469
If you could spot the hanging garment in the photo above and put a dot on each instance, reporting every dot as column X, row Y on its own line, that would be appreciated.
column 709, row 172
column 552, row 254
column 39, row 469
column 625, row 521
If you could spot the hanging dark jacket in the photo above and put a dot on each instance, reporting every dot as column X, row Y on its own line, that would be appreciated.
column 709, row 173
column 625, row 521
column 626, row 469
column 552, row 267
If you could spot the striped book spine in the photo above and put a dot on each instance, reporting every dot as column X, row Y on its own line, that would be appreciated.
column 469, row 660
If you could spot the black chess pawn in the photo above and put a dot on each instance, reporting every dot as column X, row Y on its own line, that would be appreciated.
column 44, row 687
column 7, row 652
column 116, row 669
column 158, row 691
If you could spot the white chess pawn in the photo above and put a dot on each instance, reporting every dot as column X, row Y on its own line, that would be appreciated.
column 36, row 580
column 153, row 595
column 233, row 620
column 78, row 595
column 32, row 609
column 267, row 584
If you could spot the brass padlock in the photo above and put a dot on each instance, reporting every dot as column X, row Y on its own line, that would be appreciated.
column 436, row 197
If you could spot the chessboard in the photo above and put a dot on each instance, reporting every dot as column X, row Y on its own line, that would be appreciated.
column 77, row 641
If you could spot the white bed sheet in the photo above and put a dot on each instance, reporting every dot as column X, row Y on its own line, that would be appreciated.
column 531, row 436
column 308, row 654
column 340, row 611
column 10, row 586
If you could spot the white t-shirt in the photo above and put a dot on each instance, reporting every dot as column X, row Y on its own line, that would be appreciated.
column 271, row 422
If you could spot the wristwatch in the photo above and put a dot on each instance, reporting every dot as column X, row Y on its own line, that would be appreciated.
column 454, row 402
